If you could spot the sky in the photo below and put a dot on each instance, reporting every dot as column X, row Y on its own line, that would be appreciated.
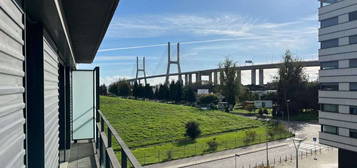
column 208, row 32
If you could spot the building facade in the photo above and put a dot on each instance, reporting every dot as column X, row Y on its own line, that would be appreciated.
column 41, row 41
column 338, row 78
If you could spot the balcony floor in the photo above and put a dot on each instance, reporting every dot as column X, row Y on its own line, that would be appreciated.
column 82, row 155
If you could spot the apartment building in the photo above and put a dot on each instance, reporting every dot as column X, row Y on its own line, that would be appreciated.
column 338, row 78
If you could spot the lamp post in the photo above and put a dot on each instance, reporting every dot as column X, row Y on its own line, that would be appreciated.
column 287, row 110
column 235, row 160
column 297, row 143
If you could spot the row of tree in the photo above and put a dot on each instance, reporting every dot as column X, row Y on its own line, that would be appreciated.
column 174, row 91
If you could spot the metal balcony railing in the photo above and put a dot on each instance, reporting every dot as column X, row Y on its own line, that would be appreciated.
column 105, row 152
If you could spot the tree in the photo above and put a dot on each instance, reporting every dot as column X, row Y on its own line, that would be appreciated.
column 172, row 91
column 229, row 81
column 189, row 94
column 192, row 130
column 124, row 88
column 136, row 90
column 178, row 87
column 149, row 94
column 291, row 79
column 103, row 90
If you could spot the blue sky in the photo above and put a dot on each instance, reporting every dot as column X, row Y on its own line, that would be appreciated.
column 209, row 31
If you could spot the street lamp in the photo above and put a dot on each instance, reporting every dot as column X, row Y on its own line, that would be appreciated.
column 287, row 110
column 235, row 160
column 297, row 143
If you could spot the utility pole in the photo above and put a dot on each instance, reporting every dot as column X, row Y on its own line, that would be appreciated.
column 169, row 62
column 138, row 69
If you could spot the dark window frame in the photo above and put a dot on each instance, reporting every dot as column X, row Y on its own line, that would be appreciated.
column 353, row 39
column 353, row 63
column 329, row 22
column 324, row 110
column 329, row 132
column 352, row 16
column 353, row 112
column 327, row 63
column 355, row 89
column 335, row 88
column 330, row 43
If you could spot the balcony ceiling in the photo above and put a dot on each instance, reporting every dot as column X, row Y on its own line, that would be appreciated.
column 77, row 26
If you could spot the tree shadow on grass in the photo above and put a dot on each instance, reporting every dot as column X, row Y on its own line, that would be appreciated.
column 185, row 142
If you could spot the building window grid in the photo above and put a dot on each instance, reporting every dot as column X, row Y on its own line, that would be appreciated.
column 353, row 133
column 353, row 39
column 329, row 86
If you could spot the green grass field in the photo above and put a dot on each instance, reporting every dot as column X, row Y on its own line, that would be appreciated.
column 153, row 130
column 142, row 123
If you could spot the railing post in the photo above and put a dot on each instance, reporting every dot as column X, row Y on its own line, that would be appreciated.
column 101, row 124
column 109, row 138
column 124, row 159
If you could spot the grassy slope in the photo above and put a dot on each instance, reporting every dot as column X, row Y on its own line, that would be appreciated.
column 143, row 123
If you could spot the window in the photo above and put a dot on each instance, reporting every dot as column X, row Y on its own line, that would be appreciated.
column 327, row 2
column 329, row 86
column 353, row 110
column 329, row 129
column 329, row 65
column 353, row 133
column 353, row 86
column 353, row 16
column 353, row 63
column 353, row 39
column 329, row 108
column 329, row 22
column 329, row 43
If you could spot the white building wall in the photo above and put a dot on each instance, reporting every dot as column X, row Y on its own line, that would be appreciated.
column 343, row 75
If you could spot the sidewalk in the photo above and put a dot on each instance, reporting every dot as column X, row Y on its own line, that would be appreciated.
column 328, row 159
column 216, row 156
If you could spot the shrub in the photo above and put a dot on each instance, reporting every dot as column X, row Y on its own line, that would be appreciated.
column 250, row 136
column 192, row 130
column 249, row 107
column 260, row 112
column 212, row 145
column 169, row 155
column 265, row 111
column 208, row 99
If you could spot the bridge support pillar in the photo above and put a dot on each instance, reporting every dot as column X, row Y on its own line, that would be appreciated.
column 190, row 79
column 186, row 79
column 210, row 77
column 215, row 80
column 198, row 78
column 253, row 77
column 239, row 76
column 261, row 77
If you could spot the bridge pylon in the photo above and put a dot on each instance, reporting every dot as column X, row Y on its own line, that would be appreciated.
column 169, row 62
column 138, row 69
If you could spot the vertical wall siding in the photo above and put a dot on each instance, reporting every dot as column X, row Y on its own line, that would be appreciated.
column 51, row 106
column 12, row 136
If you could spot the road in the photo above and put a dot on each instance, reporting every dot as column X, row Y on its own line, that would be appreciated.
column 253, row 155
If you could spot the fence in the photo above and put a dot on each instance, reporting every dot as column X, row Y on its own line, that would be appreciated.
column 194, row 149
